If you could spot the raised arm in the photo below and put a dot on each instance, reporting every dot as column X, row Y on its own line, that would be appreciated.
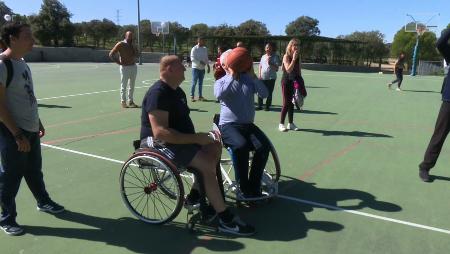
column 113, row 54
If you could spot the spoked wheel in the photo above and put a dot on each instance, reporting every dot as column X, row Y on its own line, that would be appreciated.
column 273, row 165
column 151, row 188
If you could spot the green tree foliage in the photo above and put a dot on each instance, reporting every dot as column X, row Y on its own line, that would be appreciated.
column 252, row 27
column 222, row 30
column 108, row 31
column 4, row 9
column 373, row 49
column 52, row 24
column 199, row 30
column 405, row 42
column 303, row 26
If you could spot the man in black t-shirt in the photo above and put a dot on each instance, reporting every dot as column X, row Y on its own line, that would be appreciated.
column 167, row 126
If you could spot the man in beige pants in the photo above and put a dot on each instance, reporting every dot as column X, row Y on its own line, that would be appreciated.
column 124, row 54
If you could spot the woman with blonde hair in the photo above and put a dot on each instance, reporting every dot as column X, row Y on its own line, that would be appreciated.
column 291, row 77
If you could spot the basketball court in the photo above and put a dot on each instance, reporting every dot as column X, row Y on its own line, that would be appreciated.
column 349, row 177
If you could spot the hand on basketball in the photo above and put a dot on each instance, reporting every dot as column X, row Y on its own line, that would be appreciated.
column 204, row 139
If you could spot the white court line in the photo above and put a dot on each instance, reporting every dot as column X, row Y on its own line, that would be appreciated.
column 445, row 231
column 91, row 93
column 411, row 224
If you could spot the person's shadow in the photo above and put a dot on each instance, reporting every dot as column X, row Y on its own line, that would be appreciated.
column 135, row 235
column 347, row 133
column 331, row 197
column 40, row 105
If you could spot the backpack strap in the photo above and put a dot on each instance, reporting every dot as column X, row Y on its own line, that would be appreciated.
column 9, row 71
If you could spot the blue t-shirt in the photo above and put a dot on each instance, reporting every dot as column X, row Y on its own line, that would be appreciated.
column 161, row 96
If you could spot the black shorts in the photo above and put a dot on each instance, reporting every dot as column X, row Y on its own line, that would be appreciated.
column 181, row 155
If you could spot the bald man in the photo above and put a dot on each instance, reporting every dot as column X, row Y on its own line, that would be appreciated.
column 167, row 126
column 124, row 54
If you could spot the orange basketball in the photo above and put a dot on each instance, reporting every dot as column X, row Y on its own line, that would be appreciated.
column 239, row 60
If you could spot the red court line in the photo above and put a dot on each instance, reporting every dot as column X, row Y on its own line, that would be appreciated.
column 319, row 166
column 85, row 119
column 52, row 142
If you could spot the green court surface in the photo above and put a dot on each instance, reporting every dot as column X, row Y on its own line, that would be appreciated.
column 349, row 177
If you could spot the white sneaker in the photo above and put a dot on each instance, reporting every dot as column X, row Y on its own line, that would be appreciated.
column 281, row 127
column 292, row 126
column 398, row 89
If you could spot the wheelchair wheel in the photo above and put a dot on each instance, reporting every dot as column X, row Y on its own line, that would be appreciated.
column 273, row 167
column 151, row 188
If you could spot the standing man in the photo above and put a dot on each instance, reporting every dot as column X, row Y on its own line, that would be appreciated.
column 124, row 54
column 442, row 127
column 199, row 58
column 20, row 129
column 268, row 67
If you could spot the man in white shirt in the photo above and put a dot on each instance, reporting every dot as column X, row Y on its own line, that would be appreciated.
column 199, row 58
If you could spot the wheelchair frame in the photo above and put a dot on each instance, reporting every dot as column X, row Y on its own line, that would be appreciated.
column 153, row 188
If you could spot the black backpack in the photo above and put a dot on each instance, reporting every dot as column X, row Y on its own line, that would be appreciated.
column 9, row 71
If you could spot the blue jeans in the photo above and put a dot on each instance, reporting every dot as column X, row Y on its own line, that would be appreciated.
column 17, row 165
column 197, row 75
column 241, row 139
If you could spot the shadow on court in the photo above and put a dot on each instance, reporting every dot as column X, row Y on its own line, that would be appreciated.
column 347, row 133
column 51, row 106
column 277, row 108
column 135, row 235
column 420, row 91
column 317, row 87
column 303, row 190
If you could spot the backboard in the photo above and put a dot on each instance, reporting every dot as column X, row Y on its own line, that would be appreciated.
column 421, row 23
column 158, row 27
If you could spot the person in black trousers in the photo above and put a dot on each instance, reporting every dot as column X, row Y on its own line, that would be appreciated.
column 442, row 127
column 398, row 71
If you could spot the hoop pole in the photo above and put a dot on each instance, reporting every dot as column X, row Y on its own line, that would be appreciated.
column 139, row 33
column 414, row 60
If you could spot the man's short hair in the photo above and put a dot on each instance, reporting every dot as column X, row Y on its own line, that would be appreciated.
column 11, row 29
column 167, row 61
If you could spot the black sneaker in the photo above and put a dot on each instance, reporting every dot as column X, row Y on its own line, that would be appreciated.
column 424, row 175
column 50, row 206
column 11, row 227
column 236, row 227
column 191, row 203
column 208, row 213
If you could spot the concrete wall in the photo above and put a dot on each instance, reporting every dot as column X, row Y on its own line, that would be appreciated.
column 62, row 54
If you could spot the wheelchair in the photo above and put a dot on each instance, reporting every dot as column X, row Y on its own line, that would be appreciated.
column 153, row 188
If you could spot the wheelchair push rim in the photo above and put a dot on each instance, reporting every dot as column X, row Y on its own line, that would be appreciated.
column 151, row 188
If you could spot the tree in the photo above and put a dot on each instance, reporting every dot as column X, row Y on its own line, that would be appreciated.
column 223, row 30
column 4, row 9
column 199, row 30
column 373, row 48
column 303, row 26
column 252, row 27
column 52, row 24
column 405, row 42
column 107, row 30
column 179, row 32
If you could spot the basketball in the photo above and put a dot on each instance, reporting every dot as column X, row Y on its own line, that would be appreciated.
column 239, row 60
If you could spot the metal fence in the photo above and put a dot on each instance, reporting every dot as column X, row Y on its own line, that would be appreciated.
column 430, row 68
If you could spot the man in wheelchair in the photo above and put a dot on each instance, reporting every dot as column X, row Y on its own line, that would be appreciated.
column 235, row 91
column 166, row 124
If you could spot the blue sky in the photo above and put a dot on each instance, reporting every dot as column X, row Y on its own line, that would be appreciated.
column 336, row 17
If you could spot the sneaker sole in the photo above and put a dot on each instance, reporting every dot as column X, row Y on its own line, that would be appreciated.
column 224, row 230
column 50, row 211
column 13, row 233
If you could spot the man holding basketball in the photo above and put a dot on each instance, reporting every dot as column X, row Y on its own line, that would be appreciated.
column 235, row 92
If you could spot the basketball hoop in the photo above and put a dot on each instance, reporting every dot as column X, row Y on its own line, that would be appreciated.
column 420, row 31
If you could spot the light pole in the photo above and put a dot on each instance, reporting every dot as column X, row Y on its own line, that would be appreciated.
column 139, row 32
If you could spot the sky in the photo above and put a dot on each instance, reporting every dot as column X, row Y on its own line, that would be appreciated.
column 336, row 17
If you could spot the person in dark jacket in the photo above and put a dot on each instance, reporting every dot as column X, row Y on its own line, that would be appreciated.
column 442, row 127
